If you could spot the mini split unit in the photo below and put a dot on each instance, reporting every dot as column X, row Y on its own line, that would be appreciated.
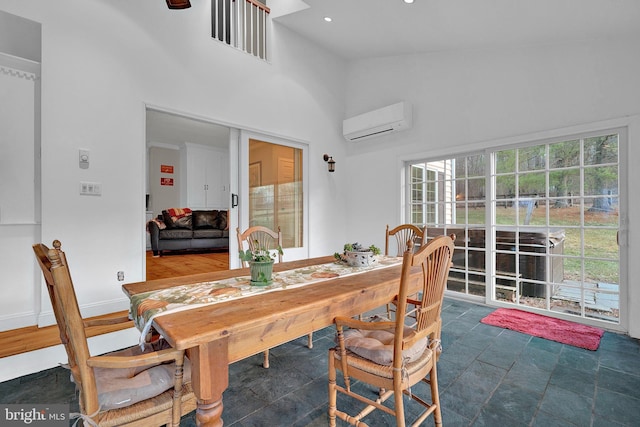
column 382, row 121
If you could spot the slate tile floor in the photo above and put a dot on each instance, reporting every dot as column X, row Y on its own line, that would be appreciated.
column 488, row 377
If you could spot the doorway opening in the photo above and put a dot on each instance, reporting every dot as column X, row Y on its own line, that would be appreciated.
column 188, row 167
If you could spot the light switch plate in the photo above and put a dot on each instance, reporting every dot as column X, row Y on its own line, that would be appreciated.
column 83, row 159
column 90, row 188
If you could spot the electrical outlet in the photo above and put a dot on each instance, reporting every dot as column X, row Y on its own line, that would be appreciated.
column 120, row 276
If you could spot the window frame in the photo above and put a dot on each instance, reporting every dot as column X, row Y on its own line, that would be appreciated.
column 620, row 126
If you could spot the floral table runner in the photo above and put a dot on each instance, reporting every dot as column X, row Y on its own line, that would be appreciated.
column 148, row 305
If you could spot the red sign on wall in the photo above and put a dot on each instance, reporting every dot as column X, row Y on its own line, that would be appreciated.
column 166, row 169
column 166, row 181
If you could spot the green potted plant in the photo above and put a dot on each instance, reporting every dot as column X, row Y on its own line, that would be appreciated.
column 260, row 264
column 357, row 255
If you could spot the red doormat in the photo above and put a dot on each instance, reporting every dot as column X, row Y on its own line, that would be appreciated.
column 549, row 328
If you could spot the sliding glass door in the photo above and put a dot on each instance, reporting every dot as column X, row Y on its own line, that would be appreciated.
column 273, row 189
column 536, row 224
column 555, row 225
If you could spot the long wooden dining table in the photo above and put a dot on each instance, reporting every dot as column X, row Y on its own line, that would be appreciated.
column 216, row 335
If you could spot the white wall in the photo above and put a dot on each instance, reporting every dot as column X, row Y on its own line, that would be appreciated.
column 472, row 99
column 19, row 165
column 163, row 196
column 102, row 61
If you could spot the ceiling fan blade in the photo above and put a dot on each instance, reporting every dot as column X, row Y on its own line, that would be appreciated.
column 178, row 4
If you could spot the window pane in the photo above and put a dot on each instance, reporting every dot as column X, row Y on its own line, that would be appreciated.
column 603, row 273
column 460, row 165
column 600, row 243
column 505, row 187
column 476, row 188
column 531, row 158
column 564, row 182
column 601, row 211
column 475, row 213
column 275, row 188
column 505, row 213
column 417, row 173
column 461, row 190
column 506, row 161
column 568, row 215
column 476, row 165
column 417, row 214
column 564, row 154
column 531, row 211
column 601, row 150
column 601, row 181
column 461, row 213
column 417, row 193
column 532, row 184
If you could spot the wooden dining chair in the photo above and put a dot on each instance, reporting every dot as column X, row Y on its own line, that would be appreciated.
column 129, row 387
column 403, row 233
column 256, row 238
column 259, row 237
column 391, row 355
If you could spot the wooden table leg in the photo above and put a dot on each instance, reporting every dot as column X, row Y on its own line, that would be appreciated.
column 209, row 413
column 210, row 378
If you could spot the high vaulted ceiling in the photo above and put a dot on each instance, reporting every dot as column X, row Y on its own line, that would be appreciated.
column 373, row 28
column 376, row 28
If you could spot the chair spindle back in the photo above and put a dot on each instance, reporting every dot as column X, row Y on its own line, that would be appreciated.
column 403, row 234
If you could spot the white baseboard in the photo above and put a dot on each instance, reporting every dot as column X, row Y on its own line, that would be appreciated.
column 89, row 310
column 17, row 321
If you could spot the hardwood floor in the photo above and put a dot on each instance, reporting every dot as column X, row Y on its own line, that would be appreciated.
column 182, row 264
column 31, row 338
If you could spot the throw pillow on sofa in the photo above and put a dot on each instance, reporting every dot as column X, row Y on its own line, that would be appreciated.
column 184, row 222
column 172, row 215
column 223, row 222
column 177, row 213
column 204, row 219
column 166, row 218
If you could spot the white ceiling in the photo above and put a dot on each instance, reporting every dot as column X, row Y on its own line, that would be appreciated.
column 373, row 28
column 376, row 28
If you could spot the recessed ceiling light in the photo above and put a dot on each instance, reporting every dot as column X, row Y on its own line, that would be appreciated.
column 408, row 1
column 328, row 18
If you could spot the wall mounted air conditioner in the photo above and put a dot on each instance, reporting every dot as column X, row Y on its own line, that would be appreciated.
column 382, row 121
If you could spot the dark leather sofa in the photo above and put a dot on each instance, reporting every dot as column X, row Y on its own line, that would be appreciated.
column 200, row 230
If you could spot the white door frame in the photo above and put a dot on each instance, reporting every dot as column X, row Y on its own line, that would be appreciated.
column 243, row 186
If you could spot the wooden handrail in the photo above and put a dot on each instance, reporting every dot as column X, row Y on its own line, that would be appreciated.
column 258, row 5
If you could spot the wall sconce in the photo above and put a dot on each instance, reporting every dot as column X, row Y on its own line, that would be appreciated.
column 331, row 162
column 178, row 4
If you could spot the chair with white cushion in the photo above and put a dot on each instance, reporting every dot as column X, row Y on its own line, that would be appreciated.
column 394, row 356
column 130, row 387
